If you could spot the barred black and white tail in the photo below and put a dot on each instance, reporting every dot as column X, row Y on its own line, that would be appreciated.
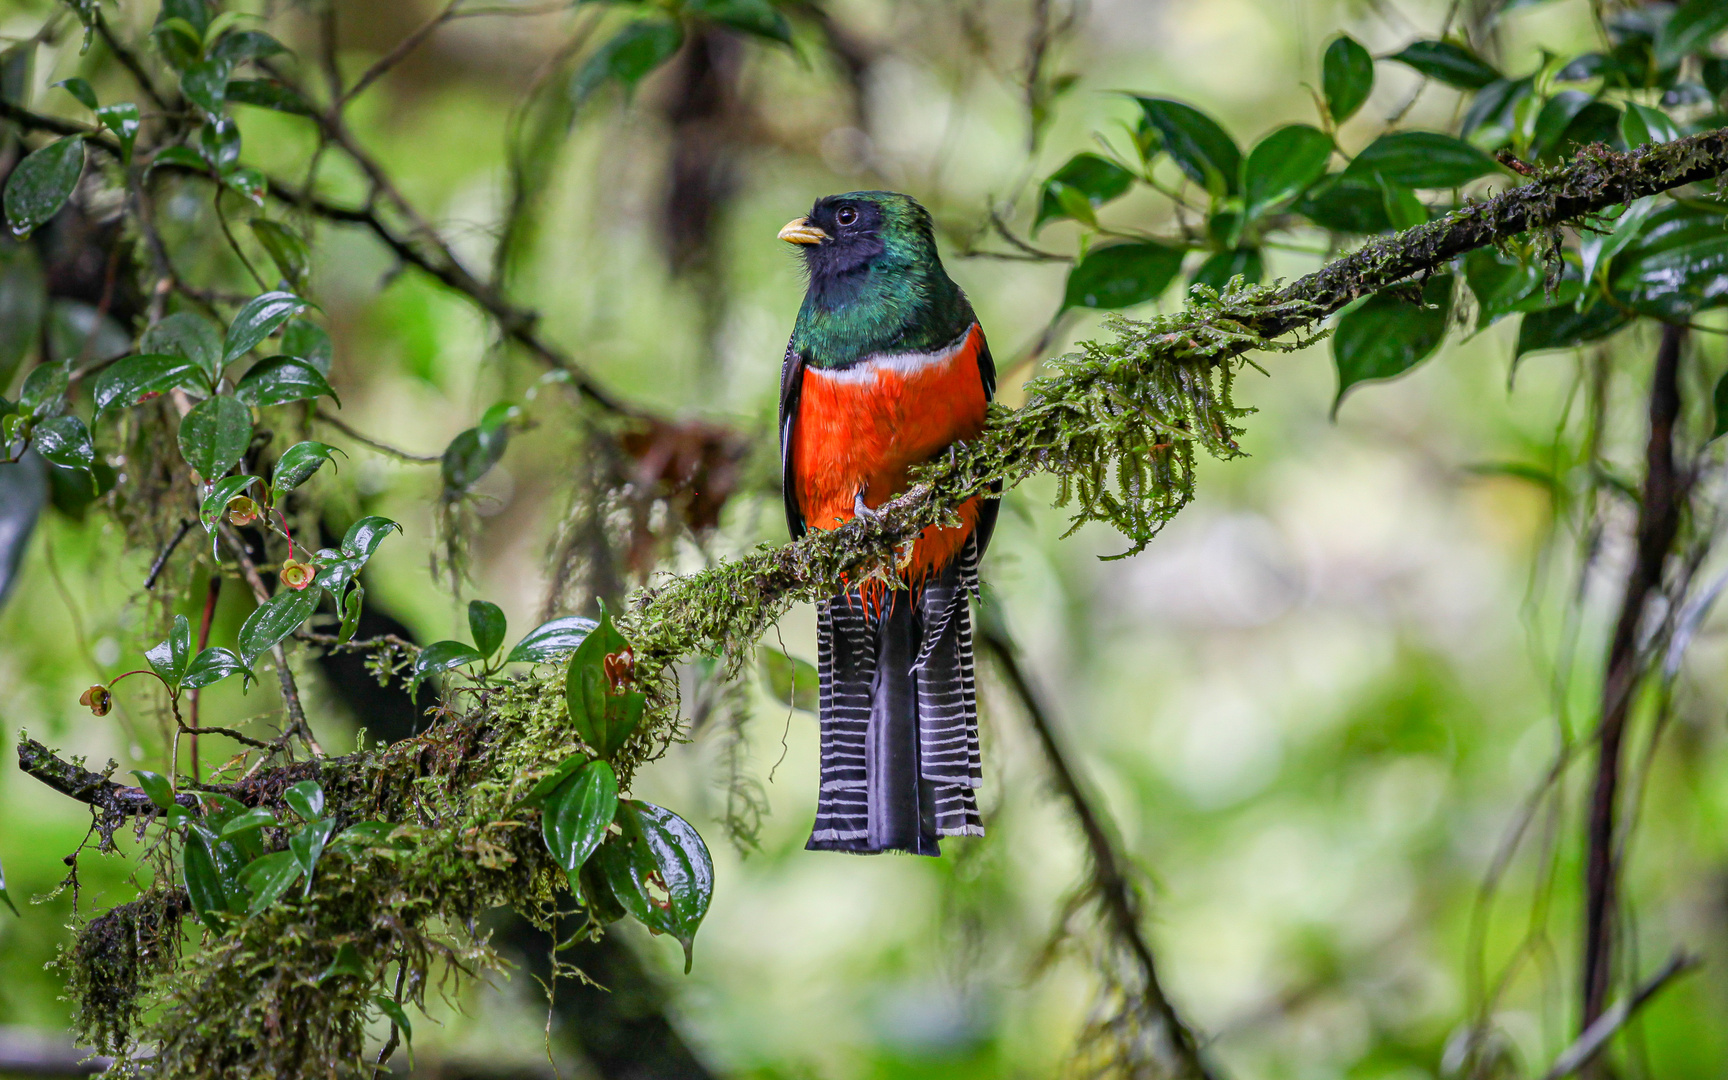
column 899, row 713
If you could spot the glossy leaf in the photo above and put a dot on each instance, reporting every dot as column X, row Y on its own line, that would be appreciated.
column 1445, row 62
column 40, row 184
column 213, row 665
column 258, row 320
column 156, row 788
column 1640, row 125
column 1195, row 142
column 187, row 335
column 267, row 878
column 281, row 379
column 553, row 780
column 486, row 623
column 214, row 504
column 1387, row 335
column 306, row 799
column 398, row 1016
column 309, row 342
column 214, row 435
column 1555, row 118
column 80, row 89
column 255, row 817
column 130, row 379
column 1121, row 275
column 268, row 94
column 64, row 440
column 1282, row 166
column 1346, row 76
column 1219, row 268
column 1421, row 159
column 551, row 640
column 442, row 656
column 297, row 464
column 1689, row 30
column 793, row 682
column 308, row 845
column 1597, row 122
column 604, row 715
column 250, row 184
column 1093, row 178
column 1499, row 282
column 364, row 536
column 471, row 456
column 659, row 848
column 628, row 56
column 351, row 606
column 576, row 816
column 285, row 249
column 1597, row 249
column 274, row 620
column 205, row 84
column 1564, row 327
column 170, row 658
column 242, row 45
column 1492, row 119
column 203, row 882
column 43, row 392
column 758, row 17
column 219, row 144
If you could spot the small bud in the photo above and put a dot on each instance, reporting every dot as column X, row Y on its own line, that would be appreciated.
column 298, row 575
column 97, row 699
column 242, row 510
column 620, row 670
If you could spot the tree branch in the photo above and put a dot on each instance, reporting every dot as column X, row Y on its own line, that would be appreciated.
column 1659, row 513
column 76, row 782
column 1596, row 1036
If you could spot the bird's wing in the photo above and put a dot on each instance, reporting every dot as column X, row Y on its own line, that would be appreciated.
column 791, row 383
column 988, row 508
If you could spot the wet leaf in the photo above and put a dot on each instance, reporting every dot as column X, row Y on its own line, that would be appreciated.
column 364, row 536
column 156, row 788
column 215, row 503
column 486, row 623
column 242, row 45
column 130, row 379
column 205, row 84
column 1421, row 159
column 43, row 393
column 1282, row 166
column 1677, row 264
column 1195, row 142
column 188, row 335
column 40, row 184
column 203, row 883
column 268, row 94
column 219, row 144
column 549, row 783
column 170, row 658
column 659, row 848
column 1346, row 76
column 471, row 456
column 1445, row 62
column 442, row 656
column 551, row 640
column 1122, row 275
column 214, row 435
column 281, row 379
column 213, row 665
column 64, row 440
column 297, row 464
column 267, row 878
column 306, row 799
column 260, row 318
column 249, row 184
column 274, row 620
column 1093, row 178
column 255, row 817
column 1387, row 335
column 576, row 816
column 308, row 845
column 793, row 682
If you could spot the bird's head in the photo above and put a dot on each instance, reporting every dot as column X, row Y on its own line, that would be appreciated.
column 863, row 233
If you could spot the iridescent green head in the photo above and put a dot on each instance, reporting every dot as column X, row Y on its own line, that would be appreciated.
column 876, row 281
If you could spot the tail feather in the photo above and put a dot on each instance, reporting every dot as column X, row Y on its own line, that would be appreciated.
column 900, row 761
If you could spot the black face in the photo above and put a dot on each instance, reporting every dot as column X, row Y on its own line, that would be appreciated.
column 856, row 228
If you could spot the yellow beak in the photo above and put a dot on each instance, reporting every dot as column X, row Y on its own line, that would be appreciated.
column 800, row 231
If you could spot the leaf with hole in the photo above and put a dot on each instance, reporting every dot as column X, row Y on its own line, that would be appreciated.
column 274, row 620
column 1387, row 334
column 597, row 694
column 576, row 816
column 131, row 379
column 213, row 665
column 64, row 440
column 1122, row 275
column 189, row 335
column 1195, row 142
column 551, row 640
column 1346, row 77
column 260, row 318
column 1282, row 166
column 486, row 623
column 1093, row 178
column 793, row 682
column 40, row 184
column 660, row 851
column 297, row 464
column 1445, row 62
column 214, row 435
column 281, row 379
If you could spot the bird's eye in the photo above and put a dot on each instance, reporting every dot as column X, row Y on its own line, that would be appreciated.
column 846, row 216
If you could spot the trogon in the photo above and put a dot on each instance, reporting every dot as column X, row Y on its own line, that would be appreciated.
column 886, row 368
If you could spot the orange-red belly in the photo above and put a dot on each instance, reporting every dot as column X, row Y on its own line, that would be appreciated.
column 862, row 429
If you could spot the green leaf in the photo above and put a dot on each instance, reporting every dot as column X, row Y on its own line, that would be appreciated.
column 23, row 303
column 80, row 89
column 268, row 94
column 178, row 37
column 444, row 655
column 602, row 719
column 306, row 799
column 1196, row 144
column 364, row 536
column 1220, row 268
column 182, row 157
column 347, row 962
column 43, row 391
column 203, row 882
column 258, row 320
column 1093, row 178
column 156, row 788
column 309, row 342
column 1121, row 275
column 793, row 682
column 274, row 620
column 1564, row 326
column 1640, row 125
column 553, row 780
column 398, row 1016
column 351, row 605
column 130, row 379
column 1346, row 76
column 1556, row 117
column 219, row 144
column 486, row 623
column 471, row 456
column 7, row 900
column 243, row 45
column 40, row 184
column 1597, row 122
column 248, row 183
column 216, row 502
column 213, row 665
column 660, row 850
column 214, row 435
column 1689, row 30
column 64, row 440
column 286, row 250
column 1445, row 62
column 1719, row 399
column 757, row 17
column 1421, row 159
column 1282, row 166
column 281, row 379
column 1403, row 209
column 551, row 640
column 1492, row 119
column 1596, row 250
column 1387, row 335
column 252, row 818
column 627, row 57
column 1676, row 265
column 205, row 84
column 1499, row 282
column 169, row 658
column 297, row 464
column 268, row 877
column 308, row 844
column 188, row 335
column 577, row 815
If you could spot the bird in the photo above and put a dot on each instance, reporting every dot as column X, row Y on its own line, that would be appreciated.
column 887, row 368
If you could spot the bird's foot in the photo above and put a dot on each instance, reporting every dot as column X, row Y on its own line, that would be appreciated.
column 862, row 511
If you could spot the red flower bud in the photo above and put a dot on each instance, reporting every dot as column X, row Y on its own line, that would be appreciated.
column 620, row 669
column 97, row 699
column 298, row 575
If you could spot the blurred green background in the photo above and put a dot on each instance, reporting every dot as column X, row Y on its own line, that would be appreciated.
column 1315, row 706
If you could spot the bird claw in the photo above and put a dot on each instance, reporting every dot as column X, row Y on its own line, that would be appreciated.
column 862, row 511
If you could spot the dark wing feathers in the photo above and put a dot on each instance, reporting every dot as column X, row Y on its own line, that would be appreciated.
column 791, row 383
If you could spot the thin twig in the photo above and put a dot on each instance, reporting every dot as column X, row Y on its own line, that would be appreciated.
column 383, row 448
column 399, row 53
column 1603, row 1028
column 162, row 559
column 284, row 675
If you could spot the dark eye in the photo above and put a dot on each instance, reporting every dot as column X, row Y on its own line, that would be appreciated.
column 846, row 216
